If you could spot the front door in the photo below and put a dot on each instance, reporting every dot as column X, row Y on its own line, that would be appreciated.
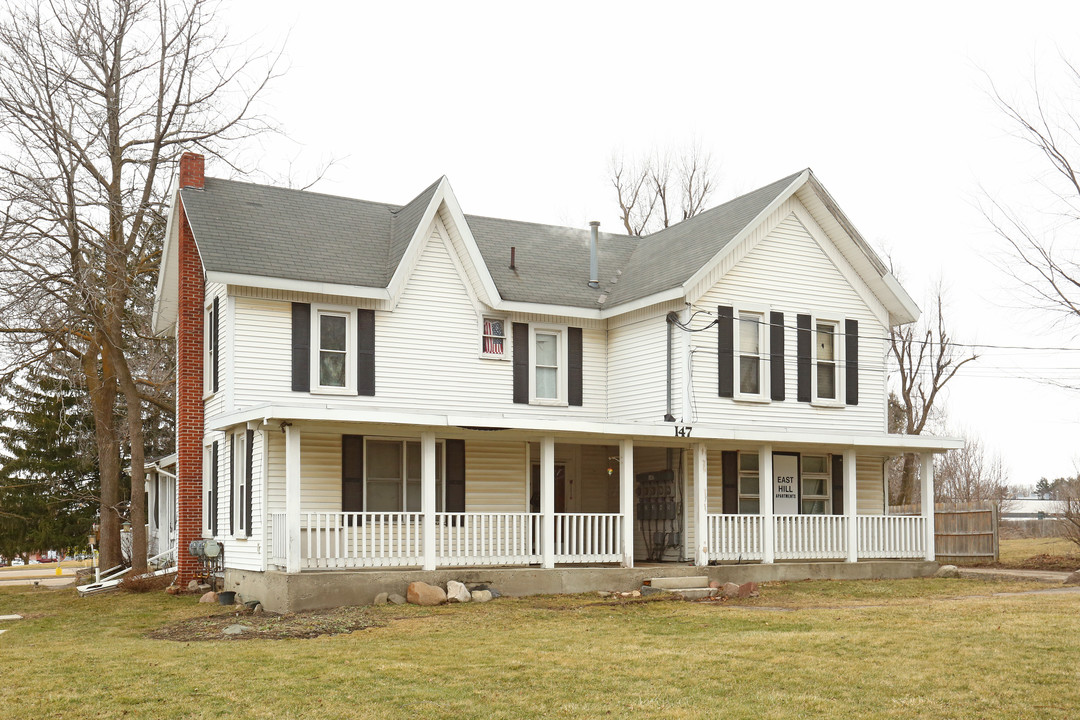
column 560, row 488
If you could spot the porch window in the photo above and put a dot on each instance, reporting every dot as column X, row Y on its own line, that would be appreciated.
column 816, row 485
column 493, row 343
column 392, row 476
column 749, row 484
column 826, row 360
column 751, row 344
column 240, row 484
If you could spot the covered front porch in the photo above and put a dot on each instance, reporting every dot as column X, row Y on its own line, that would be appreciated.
column 563, row 500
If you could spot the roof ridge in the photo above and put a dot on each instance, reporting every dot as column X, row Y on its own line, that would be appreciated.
column 549, row 225
column 390, row 206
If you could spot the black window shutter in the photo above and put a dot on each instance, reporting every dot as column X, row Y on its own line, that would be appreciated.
column 521, row 362
column 365, row 352
column 248, row 482
column 837, row 484
column 729, row 465
column 776, row 355
column 851, row 358
column 574, row 363
column 301, row 347
column 215, row 323
column 232, row 484
column 726, row 350
column 803, row 349
column 455, row 476
column 216, row 491
column 352, row 473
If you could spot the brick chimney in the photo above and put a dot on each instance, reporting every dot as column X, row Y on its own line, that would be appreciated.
column 189, row 379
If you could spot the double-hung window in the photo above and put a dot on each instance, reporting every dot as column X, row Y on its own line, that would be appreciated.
column 241, row 487
column 749, row 484
column 493, row 338
column 816, row 485
column 210, row 346
column 208, row 491
column 333, row 367
column 547, row 371
column 827, row 360
column 750, row 349
column 392, row 476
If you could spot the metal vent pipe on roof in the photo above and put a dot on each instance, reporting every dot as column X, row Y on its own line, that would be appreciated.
column 594, row 263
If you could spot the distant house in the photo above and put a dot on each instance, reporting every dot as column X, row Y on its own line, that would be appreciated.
column 371, row 386
column 1031, row 508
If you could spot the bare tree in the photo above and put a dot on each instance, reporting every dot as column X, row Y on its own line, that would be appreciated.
column 925, row 359
column 97, row 101
column 972, row 474
column 661, row 188
column 1044, row 246
column 1069, row 500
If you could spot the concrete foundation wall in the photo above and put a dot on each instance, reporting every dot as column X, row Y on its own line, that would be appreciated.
column 282, row 592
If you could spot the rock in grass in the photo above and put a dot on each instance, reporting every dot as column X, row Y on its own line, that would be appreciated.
column 494, row 593
column 210, row 597
column 420, row 593
column 947, row 571
column 234, row 630
column 193, row 586
column 381, row 599
column 729, row 590
column 748, row 590
column 1073, row 579
column 257, row 610
column 481, row 596
column 396, row 599
column 457, row 592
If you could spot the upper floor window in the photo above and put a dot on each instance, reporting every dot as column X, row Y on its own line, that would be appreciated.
column 826, row 360
column 816, row 485
column 493, row 343
column 334, row 363
column 210, row 347
column 750, row 349
column 548, row 365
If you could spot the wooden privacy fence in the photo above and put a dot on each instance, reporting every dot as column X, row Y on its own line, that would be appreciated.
column 964, row 533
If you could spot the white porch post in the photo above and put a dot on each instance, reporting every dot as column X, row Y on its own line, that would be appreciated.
column 765, row 498
column 626, row 501
column 851, row 502
column 427, row 496
column 928, row 503
column 701, row 504
column 547, row 501
column 292, row 497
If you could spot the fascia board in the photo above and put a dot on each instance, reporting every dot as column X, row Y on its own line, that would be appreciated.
column 513, row 306
column 160, row 326
column 665, row 296
column 416, row 243
column 475, row 256
column 909, row 311
column 768, row 210
column 305, row 286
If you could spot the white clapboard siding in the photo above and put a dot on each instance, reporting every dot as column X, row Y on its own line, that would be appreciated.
column 790, row 272
column 637, row 369
column 716, row 482
column 263, row 350
column 320, row 473
column 496, row 476
column 276, row 472
column 870, row 485
column 242, row 553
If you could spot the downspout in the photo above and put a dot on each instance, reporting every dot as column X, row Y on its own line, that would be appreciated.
column 671, row 317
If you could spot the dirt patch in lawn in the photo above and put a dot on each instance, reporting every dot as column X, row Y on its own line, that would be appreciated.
column 1062, row 563
column 268, row 626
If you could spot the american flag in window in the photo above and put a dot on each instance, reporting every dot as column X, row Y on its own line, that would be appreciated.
column 494, row 336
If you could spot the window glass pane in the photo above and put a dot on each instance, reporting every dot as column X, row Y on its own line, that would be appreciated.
column 383, row 495
column 748, row 485
column 749, row 333
column 826, row 380
column 815, row 486
column 332, row 332
column 546, row 382
column 749, row 375
column 332, row 369
column 813, row 507
column 749, row 506
column 412, row 496
column 547, row 347
column 412, row 460
column 748, row 461
column 815, row 464
column 493, row 336
column 383, row 460
column 825, row 335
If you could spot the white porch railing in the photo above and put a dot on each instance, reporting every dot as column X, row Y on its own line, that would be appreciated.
column 474, row 538
column 734, row 537
column 892, row 536
column 810, row 537
column 347, row 540
column 279, row 539
column 588, row 537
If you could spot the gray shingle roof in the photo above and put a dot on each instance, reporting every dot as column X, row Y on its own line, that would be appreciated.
column 276, row 232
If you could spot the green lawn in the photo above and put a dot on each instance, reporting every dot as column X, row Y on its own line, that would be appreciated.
column 894, row 649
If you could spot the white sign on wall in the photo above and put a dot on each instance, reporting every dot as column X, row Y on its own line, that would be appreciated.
column 785, row 484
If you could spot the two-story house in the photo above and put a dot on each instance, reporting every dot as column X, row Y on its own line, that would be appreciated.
column 366, row 387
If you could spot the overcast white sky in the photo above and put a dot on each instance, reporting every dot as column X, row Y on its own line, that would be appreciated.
column 521, row 105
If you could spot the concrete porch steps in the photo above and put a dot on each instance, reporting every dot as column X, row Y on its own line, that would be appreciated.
column 688, row 588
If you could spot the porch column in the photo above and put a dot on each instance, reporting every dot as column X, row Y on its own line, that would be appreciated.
column 851, row 501
column 547, row 502
column 928, row 503
column 701, row 505
column 427, row 496
column 765, row 498
column 292, row 497
column 626, row 501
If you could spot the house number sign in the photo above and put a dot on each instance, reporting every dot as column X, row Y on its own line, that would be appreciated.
column 786, row 484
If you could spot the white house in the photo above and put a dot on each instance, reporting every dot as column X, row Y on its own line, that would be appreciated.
column 369, row 386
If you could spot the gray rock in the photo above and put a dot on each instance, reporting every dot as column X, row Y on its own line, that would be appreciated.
column 251, row 604
column 234, row 630
column 210, row 597
column 729, row 590
column 494, row 593
column 457, row 592
column 193, row 586
column 481, row 596
column 203, row 587
column 1073, row 579
column 396, row 599
column 647, row 590
column 603, row 593
column 381, row 599
column 947, row 571
column 257, row 610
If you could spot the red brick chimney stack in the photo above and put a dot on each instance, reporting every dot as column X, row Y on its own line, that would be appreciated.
column 189, row 378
